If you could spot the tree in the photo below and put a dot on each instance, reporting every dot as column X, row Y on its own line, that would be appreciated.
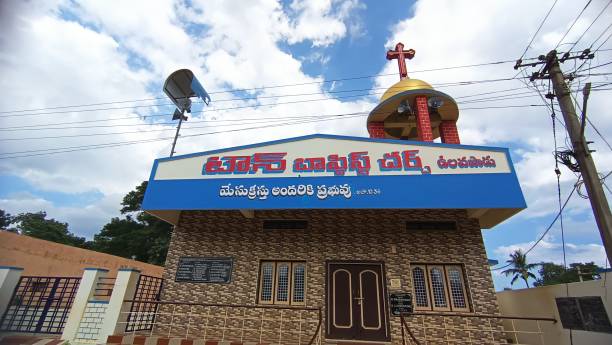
column 139, row 235
column 520, row 267
column 37, row 225
column 5, row 220
column 551, row 274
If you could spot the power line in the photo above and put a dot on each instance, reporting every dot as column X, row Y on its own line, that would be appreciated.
column 573, row 23
column 446, row 84
column 593, row 22
column 266, row 87
column 538, row 30
column 257, row 121
column 125, row 143
column 545, row 231
column 200, row 112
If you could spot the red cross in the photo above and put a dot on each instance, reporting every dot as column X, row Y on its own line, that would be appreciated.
column 401, row 56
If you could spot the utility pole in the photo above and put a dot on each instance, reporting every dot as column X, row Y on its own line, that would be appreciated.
column 181, row 116
column 581, row 152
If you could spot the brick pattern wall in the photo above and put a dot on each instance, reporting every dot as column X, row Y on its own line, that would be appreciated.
column 331, row 235
column 376, row 129
column 449, row 133
column 423, row 123
column 91, row 322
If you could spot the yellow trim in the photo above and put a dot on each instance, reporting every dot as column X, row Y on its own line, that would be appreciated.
column 405, row 85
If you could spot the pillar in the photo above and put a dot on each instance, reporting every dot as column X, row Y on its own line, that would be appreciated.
column 448, row 132
column 423, row 124
column 85, row 293
column 9, row 278
column 117, row 312
column 376, row 129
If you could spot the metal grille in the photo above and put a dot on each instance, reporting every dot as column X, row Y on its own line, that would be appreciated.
column 456, row 288
column 437, row 284
column 298, row 283
column 266, row 285
column 142, row 314
column 40, row 305
column 420, row 289
column 282, row 292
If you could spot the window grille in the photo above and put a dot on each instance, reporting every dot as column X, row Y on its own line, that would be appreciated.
column 282, row 282
column 457, row 289
column 420, row 288
column 267, row 282
column 299, row 280
column 439, row 288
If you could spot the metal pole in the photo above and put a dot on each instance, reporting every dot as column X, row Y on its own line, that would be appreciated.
column 599, row 203
column 178, row 128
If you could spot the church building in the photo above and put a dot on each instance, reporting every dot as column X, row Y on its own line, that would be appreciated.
column 334, row 239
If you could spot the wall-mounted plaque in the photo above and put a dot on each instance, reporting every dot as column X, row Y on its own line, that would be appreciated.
column 583, row 313
column 400, row 303
column 204, row 270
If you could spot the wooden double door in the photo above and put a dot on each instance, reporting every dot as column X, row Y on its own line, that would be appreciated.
column 356, row 301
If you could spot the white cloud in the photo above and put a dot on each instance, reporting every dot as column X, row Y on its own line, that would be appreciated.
column 549, row 251
column 450, row 33
column 51, row 60
column 85, row 220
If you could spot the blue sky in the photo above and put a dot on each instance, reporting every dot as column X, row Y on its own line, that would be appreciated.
column 66, row 52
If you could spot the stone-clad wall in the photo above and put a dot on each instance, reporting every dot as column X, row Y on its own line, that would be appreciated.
column 331, row 235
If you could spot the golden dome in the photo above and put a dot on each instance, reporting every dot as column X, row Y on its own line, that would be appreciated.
column 405, row 85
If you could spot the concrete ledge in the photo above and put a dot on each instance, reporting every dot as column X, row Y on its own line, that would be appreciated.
column 95, row 269
column 11, row 268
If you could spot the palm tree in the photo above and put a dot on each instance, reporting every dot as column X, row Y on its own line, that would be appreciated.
column 520, row 267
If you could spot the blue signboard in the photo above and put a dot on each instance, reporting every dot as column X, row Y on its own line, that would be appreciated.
column 336, row 172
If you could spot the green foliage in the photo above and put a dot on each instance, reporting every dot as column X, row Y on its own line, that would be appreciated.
column 520, row 268
column 551, row 274
column 5, row 220
column 139, row 235
column 37, row 225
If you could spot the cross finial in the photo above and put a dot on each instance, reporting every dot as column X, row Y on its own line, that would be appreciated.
column 401, row 55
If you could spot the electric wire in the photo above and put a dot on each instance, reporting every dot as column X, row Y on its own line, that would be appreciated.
column 545, row 231
column 573, row 23
column 593, row 22
column 538, row 30
column 9, row 128
column 30, row 153
column 268, row 87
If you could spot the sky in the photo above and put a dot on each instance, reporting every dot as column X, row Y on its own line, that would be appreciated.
column 268, row 64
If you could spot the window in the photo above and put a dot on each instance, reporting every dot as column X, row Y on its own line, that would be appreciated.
column 439, row 288
column 431, row 225
column 282, row 282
